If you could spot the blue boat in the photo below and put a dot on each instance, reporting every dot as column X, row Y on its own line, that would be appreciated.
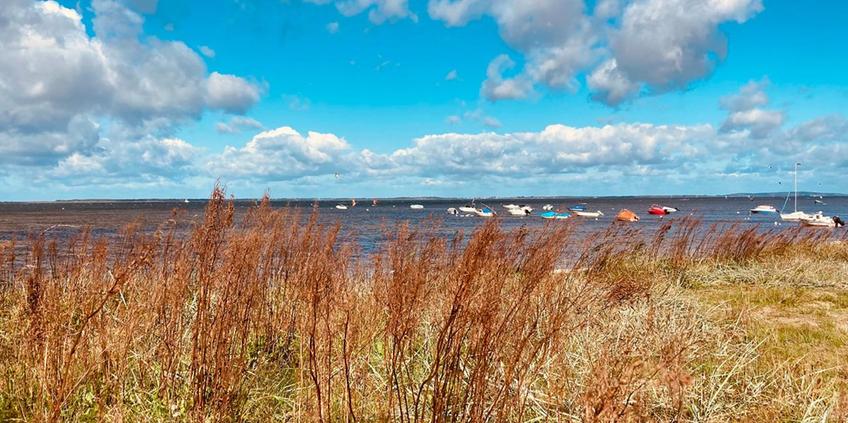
column 554, row 215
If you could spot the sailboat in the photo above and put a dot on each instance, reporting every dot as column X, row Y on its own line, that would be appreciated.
column 796, row 215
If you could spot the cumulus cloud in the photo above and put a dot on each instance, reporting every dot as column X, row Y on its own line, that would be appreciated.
column 746, row 114
column 149, row 158
column 230, row 93
column 496, row 87
column 282, row 154
column 643, row 46
column 57, row 81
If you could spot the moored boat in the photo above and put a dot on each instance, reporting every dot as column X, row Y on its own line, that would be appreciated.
column 796, row 214
column 416, row 206
column 341, row 206
column 659, row 210
column 819, row 220
column 550, row 214
column 626, row 215
column 594, row 214
column 763, row 209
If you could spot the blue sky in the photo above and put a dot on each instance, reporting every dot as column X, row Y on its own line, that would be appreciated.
column 365, row 98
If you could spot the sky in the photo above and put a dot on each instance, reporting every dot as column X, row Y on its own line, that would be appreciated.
column 385, row 98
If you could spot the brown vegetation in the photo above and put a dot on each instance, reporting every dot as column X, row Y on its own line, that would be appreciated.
column 272, row 318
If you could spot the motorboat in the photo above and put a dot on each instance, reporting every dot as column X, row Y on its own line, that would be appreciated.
column 819, row 220
column 416, row 206
column 518, row 210
column 659, row 210
column 453, row 211
column 341, row 206
column 469, row 208
column 763, row 209
column 547, row 207
column 554, row 215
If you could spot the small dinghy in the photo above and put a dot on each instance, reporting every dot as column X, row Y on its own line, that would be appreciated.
column 453, row 211
column 594, row 214
column 626, row 216
column 416, row 206
column 554, row 215
column 547, row 207
column 341, row 206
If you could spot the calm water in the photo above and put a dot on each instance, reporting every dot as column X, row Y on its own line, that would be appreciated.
column 364, row 222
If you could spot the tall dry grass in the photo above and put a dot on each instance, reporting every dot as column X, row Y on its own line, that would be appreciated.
column 272, row 318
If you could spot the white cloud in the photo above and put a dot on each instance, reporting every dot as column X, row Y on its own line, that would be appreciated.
column 332, row 27
column 207, row 51
column 746, row 114
column 236, row 124
column 282, row 154
column 666, row 44
column 496, row 87
column 230, row 93
column 452, row 75
column 57, row 82
column 645, row 45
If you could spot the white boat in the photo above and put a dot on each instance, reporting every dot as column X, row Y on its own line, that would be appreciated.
column 519, row 210
column 469, row 208
column 670, row 210
column 341, row 206
column 547, row 207
column 416, row 206
column 453, row 211
column 594, row 214
column 796, row 215
column 819, row 220
column 764, row 209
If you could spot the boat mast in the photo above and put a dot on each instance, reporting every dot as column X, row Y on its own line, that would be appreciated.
column 796, row 186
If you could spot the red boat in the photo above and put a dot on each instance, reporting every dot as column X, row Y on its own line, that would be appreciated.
column 661, row 210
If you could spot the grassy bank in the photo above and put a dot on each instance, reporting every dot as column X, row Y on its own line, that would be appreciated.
column 273, row 319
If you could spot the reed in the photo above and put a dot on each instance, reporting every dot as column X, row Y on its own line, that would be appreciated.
column 272, row 318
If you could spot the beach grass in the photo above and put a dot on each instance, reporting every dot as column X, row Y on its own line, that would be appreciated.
column 273, row 318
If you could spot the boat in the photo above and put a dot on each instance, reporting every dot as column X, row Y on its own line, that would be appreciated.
column 341, row 206
column 577, row 208
column 416, row 206
column 594, row 214
column 762, row 209
column 554, row 215
column 353, row 202
column 820, row 202
column 484, row 212
column 547, row 207
column 374, row 203
column 518, row 210
column 453, row 211
column 625, row 215
column 659, row 210
column 186, row 200
column 819, row 220
column 469, row 208
column 796, row 215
